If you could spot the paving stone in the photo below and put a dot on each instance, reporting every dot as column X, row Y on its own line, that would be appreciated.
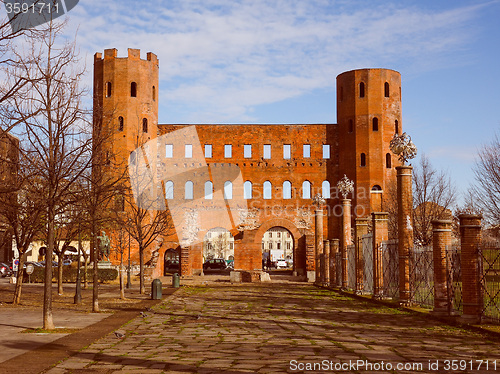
column 260, row 328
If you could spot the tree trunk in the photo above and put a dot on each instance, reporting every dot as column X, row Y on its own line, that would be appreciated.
column 86, row 268
column 122, row 280
column 142, row 289
column 95, row 286
column 19, row 280
column 48, row 322
column 60, row 274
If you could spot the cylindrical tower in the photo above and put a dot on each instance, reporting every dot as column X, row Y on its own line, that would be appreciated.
column 368, row 116
column 126, row 100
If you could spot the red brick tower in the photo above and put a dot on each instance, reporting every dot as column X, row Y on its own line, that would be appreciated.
column 368, row 115
column 126, row 98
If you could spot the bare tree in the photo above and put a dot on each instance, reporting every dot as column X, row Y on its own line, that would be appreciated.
column 121, row 242
column 24, row 212
column 434, row 195
column 101, row 186
column 56, row 134
column 145, row 226
column 68, row 224
column 487, row 186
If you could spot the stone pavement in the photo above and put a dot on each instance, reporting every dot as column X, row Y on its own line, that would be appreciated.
column 280, row 327
column 13, row 321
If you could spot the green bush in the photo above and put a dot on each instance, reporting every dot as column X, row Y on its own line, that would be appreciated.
column 69, row 275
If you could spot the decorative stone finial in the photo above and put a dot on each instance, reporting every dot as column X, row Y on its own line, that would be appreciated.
column 318, row 200
column 402, row 146
column 345, row 186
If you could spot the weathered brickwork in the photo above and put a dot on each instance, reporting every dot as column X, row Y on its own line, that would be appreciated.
column 283, row 160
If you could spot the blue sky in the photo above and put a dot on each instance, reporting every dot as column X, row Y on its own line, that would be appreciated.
column 275, row 61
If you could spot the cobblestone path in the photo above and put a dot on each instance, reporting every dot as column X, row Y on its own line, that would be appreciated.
column 280, row 328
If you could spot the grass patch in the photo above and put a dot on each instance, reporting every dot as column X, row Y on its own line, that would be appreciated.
column 194, row 290
column 57, row 330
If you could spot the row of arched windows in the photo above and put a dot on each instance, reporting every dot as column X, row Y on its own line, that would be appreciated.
column 248, row 190
column 133, row 90
column 121, row 124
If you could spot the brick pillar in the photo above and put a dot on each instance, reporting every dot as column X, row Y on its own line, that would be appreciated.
column 441, row 238
column 318, row 243
column 346, row 237
column 405, row 230
column 470, row 237
column 360, row 229
column 326, row 263
column 184, row 261
column 310, row 258
column 380, row 234
column 334, row 249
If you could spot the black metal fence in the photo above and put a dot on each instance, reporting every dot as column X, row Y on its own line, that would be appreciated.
column 390, row 266
column 490, row 282
column 454, row 279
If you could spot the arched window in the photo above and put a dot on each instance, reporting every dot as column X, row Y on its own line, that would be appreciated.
column 388, row 163
column 267, row 193
column 228, row 190
column 169, row 190
column 386, row 89
column 108, row 89
column 120, row 123
column 209, row 190
column 144, row 125
column 362, row 89
column 133, row 89
column 351, row 126
column 154, row 93
column 306, row 190
column 247, row 190
column 396, row 126
column 188, row 190
column 375, row 124
column 325, row 189
column 363, row 160
column 287, row 190
column 376, row 188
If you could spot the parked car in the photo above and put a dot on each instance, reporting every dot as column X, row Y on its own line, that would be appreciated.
column 67, row 262
column 54, row 264
column 172, row 266
column 37, row 264
column 281, row 264
column 215, row 263
column 5, row 270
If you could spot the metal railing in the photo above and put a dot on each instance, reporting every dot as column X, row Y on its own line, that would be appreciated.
column 421, row 270
column 490, row 282
column 454, row 279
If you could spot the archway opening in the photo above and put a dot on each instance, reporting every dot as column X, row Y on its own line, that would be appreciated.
column 171, row 261
column 277, row 249
column 218, row 244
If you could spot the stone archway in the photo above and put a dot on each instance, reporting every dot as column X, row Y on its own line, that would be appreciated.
column 171, row 261
column 299, row 247
column 277, row 249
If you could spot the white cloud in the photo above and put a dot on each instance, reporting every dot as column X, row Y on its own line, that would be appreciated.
column 219, row 59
